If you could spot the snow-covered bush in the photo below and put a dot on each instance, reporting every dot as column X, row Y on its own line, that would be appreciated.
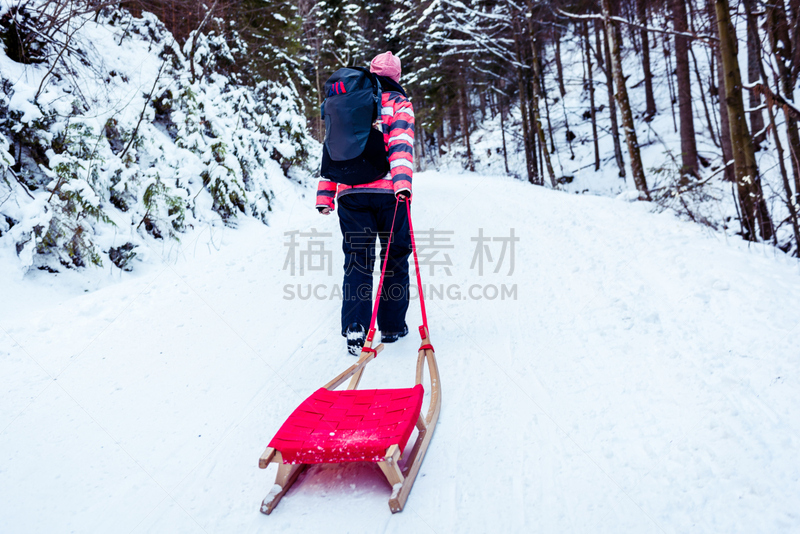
column 116, row 138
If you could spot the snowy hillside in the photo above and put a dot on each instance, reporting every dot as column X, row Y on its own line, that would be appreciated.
column 644, row 379
column 122, row 142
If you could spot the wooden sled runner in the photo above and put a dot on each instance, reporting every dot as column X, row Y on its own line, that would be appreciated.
column 355, row 425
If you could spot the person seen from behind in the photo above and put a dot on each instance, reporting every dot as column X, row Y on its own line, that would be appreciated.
column 367, row 211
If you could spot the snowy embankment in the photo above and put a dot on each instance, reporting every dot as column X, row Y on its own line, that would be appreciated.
column 120, row 139
column 645, row 379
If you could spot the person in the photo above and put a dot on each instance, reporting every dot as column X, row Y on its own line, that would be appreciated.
column 367, row 211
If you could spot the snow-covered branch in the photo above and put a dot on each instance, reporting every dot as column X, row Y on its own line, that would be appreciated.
column 596, row 16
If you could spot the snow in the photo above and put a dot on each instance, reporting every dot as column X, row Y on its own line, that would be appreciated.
column 644, row 380
column 396, row 490
column 276, row 489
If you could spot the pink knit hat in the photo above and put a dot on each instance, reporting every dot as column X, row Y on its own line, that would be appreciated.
column 386, row 65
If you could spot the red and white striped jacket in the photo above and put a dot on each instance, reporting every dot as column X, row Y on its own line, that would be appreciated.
column 397, row 121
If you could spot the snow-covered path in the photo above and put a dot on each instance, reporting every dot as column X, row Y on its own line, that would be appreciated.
column 645, row 379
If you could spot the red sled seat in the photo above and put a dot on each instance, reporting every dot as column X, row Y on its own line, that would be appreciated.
column 349, row 425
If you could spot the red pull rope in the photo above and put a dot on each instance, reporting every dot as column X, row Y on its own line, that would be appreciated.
column 371, row 333
column 416, row 268
column 423, row 333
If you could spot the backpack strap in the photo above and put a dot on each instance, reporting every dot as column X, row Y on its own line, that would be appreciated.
column 378, row 96
column 379, row 90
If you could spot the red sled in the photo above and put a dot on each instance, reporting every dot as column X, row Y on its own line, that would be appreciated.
column 355, row 425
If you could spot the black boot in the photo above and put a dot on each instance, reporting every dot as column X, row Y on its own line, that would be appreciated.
column 391, row 337
column 356, row 335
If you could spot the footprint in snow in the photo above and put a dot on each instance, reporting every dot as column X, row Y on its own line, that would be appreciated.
column 721, row 285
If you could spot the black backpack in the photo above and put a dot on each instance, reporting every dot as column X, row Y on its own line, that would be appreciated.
column 354, row 152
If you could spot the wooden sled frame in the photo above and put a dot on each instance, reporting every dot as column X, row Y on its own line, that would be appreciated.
column 400, row 478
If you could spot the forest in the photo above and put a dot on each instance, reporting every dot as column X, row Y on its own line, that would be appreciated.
column 470, row 62
column 605, row 253
column 689, row 105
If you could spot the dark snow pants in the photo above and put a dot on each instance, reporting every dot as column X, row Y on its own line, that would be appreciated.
column 363, row 217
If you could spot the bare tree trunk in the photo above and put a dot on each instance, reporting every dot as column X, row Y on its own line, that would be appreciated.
column 559, row 65
column 624, row 104
column 464, row 105
column 724, row 125
column 503, row 132
column 634, row 33
column 454, row 123
column 436, row 149
column 543, row 93
column 570, row 135
column 542, row 146
column 482, row 101
column 794, row 25
column 536, row 89
column 523, row 108
column 612, row 106
column 725, row 128
column 751, row 199
column 781, row 43
column 791, row 201
column 670, row 81
column 591, row 97
column 650, row 111
column 791, row 198
column 709, row 121
column 683, row 75
column 794, row 19
column 753, row 74
column 419, row 141
column 532, row 128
